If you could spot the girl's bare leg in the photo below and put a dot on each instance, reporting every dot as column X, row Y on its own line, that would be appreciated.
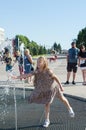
column 47, row 112
column 83, row 75
column 67, row 104
column 65, row 101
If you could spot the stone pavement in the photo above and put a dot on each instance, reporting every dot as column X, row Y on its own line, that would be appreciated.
column 59, row 67
column 78, row 90
column 17, row 114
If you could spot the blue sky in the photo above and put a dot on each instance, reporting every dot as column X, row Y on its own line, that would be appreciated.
column 44, row 21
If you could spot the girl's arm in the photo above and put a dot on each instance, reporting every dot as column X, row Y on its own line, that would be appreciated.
column 30, row 59
column 57, row 80
column 22, row 76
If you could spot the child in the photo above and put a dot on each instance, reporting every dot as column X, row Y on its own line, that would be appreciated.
column 19, row 58
column 8, row 61
column 46, row 89
column 27, row 64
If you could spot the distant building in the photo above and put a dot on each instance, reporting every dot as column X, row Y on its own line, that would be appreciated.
column 64, row 51
column 2, row 35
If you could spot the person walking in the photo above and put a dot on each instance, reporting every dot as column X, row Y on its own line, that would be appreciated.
column 82, row 62
column 47, row 86
column 72, row 62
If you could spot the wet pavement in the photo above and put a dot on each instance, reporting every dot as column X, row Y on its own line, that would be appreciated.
column 31, row 116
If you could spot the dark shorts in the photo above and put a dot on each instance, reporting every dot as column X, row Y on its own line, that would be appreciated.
column 8, row 67
column 72, row 67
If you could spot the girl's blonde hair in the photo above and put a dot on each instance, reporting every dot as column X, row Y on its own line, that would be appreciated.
column 45, row 61
column 27, row 50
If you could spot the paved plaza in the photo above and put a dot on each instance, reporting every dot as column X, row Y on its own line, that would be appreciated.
column 31, row 117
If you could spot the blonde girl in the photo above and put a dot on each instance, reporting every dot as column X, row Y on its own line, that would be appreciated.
column 27, row 63
column 46, row 87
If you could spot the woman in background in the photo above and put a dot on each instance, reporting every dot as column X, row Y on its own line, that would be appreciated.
column 27, row 64
column 82, row 62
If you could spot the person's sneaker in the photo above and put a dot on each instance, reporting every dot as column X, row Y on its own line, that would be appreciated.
column 73, row 82
column 71, row 113
column 46, row 123
column 67, row 82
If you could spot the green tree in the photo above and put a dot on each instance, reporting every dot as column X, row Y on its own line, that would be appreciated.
column 81, row 38
column 57, row 47
column 23, row 39
column 44, row 50
column 41, row 51
column 34, row 48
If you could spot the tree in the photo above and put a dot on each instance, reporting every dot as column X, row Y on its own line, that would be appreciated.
column 41, row 51
column 57, row 47
column 81, row 38
column 34, row 48
column 45, row 50
column 23, row 39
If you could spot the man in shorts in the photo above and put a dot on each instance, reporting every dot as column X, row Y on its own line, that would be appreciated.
column 72, row 59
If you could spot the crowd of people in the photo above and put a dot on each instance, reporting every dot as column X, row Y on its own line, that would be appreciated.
column 25, row 63
column 76, row 57
column 47, row 86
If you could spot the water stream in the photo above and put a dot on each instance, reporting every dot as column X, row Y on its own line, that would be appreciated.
column 8, row 98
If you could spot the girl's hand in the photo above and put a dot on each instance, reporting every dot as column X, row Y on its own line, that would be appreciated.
column 13, row 77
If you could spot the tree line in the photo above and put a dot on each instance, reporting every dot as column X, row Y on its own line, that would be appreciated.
column 34, row 47
column 37, row 49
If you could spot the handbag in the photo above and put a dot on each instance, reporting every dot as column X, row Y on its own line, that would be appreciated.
column 32, row 68
column 84, row 64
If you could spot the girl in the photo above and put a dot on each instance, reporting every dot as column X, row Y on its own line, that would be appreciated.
column 8, row 61
column 46, row 88
column 19, row 58
column 82, row 62
column 27, row 63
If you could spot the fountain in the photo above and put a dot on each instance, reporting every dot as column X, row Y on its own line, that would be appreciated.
column 22, row 52
column 6, row 97
column 15, row 109
column 12, row 100
column 11, row 96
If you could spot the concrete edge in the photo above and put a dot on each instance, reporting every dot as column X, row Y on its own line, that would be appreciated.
column 75, row 97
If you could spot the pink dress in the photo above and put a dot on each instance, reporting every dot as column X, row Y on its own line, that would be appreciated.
column 45, row 88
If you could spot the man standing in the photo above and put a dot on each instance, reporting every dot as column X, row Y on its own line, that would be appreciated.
column 72, row 58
